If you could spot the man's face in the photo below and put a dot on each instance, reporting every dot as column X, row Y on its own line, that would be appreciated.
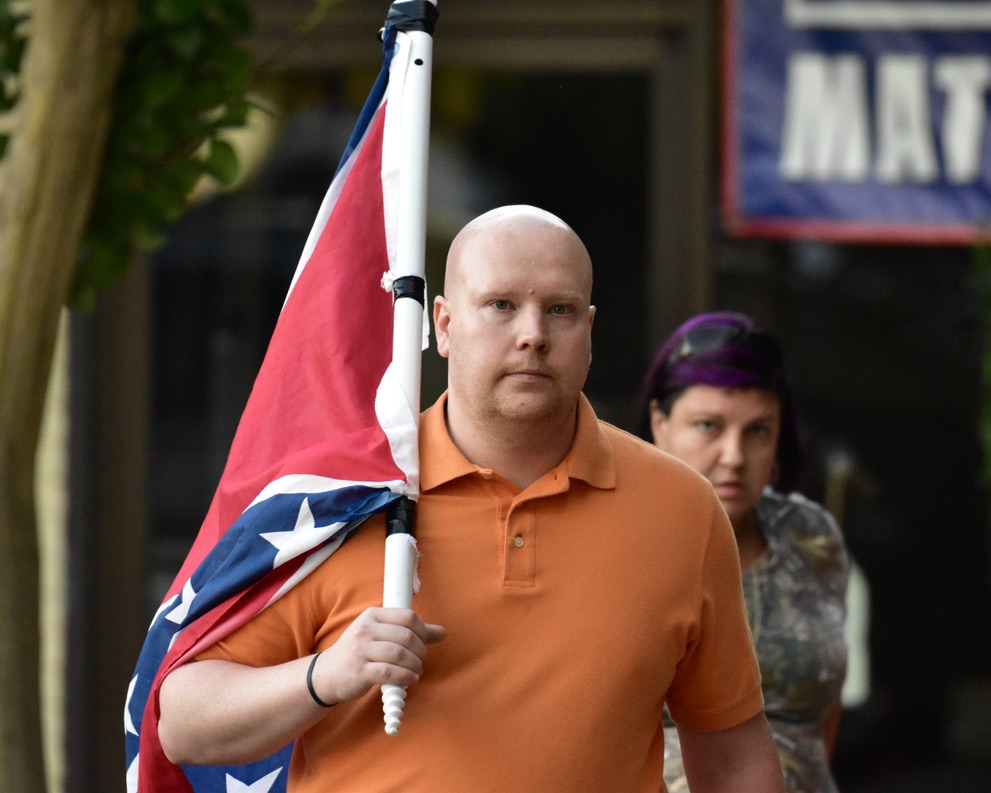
column 516, row 323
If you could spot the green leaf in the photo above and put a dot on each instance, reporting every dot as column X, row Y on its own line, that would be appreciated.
column 164, row 202
column 183, row 83
column 235, row 14
column 184, row 175
column 235, row 114
column 222, row 162
column 185, row 42
column 155, row 141
column 236, row 65
column 104, row 261
column 160, row 88
column 205, row 95
column 175, row 12
column 148, row 240
column 82, row 298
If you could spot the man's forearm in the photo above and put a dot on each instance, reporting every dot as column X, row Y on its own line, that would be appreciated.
column 218, row 712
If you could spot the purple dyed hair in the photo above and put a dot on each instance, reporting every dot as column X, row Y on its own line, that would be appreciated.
column 728, row 350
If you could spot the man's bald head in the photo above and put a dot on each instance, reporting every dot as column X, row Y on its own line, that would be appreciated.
column 519, row 226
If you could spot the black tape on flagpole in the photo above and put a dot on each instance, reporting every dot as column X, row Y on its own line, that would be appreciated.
column 413, row 15
column 409, row 286
column 400, row 517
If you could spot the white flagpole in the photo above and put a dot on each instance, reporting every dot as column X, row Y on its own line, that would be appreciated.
column 409, row 290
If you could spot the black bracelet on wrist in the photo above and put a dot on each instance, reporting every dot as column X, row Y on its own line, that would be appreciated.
column 309, row 683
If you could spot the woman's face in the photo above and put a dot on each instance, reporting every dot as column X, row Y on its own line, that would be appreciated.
column 729, row 435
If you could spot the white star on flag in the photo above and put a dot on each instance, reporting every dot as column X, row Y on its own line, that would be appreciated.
column 128, row 721
column 164, row 607
column 292, row 543
column 132, row 776
column 263, row 785
column 178, row 614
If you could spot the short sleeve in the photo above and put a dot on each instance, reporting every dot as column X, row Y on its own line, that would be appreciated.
column 281, row 632
column 717, row 683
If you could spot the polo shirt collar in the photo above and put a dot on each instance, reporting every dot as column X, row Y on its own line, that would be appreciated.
column 591, row 455
column 590, row 458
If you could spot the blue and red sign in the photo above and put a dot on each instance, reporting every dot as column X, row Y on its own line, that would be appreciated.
column 858, row 120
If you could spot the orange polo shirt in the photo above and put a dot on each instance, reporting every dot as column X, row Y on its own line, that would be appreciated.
column 574, row 609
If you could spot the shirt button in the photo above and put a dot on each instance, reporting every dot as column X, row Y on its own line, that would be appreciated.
column 518, row 541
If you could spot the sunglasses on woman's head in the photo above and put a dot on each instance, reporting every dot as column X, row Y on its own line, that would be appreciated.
column 703, row 339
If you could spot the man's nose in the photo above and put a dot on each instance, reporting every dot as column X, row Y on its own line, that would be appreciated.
column 531, row 329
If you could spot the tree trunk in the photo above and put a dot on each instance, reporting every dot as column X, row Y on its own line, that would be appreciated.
column 47, row 181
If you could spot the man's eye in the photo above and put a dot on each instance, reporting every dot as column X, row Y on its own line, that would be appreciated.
column 561, row 310
column 501, row 305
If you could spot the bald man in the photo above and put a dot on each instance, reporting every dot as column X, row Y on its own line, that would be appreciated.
column 582, row 577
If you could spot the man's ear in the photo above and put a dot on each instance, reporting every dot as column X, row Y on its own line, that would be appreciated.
column 591, row 319
column 442, row 320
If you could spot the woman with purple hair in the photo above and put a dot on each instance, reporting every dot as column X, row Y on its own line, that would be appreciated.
column 716, row 396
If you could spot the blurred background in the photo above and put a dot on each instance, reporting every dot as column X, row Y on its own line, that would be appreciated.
column 607, row 114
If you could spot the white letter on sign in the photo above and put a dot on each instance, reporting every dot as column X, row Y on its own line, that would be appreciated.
column 965, row 79
column 905, row 149
column 825, row 133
